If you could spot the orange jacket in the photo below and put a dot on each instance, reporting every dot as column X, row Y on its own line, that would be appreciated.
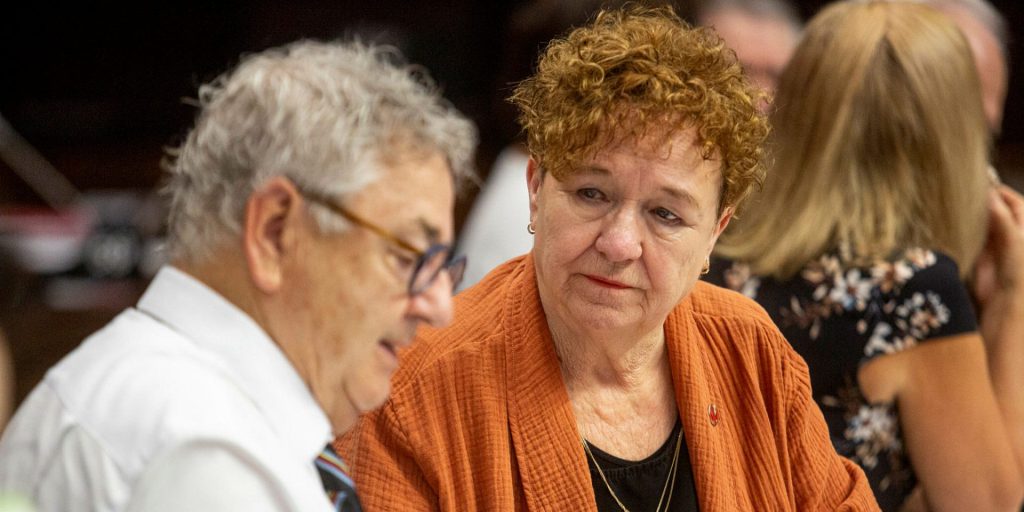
column 479, row 418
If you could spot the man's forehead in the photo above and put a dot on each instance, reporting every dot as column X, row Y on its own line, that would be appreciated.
column 413, row 193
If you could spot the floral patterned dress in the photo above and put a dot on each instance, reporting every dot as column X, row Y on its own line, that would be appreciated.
column 839, row 317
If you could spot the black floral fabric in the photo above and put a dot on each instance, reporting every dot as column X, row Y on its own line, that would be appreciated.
column 838, row 317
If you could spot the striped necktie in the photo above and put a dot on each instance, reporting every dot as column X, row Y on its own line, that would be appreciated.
column 340, row 488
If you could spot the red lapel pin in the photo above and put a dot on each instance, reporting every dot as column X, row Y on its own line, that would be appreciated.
column 713, row 415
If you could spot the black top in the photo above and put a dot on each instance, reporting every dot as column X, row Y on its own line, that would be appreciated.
column 639, row 484
column 840, row 316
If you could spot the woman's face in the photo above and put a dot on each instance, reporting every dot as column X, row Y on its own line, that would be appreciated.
column 622, row 239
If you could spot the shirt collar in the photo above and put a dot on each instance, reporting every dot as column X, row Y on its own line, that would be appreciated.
column 253, row 359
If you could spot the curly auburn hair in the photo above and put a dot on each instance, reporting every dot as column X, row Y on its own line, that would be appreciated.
column 638, row 68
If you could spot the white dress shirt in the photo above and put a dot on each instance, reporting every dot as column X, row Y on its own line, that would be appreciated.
column 182, row 403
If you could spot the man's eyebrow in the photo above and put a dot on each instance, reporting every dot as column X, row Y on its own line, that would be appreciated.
column 432, row 233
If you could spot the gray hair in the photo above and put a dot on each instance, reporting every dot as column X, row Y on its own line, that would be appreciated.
column 781, row 10
column 323, row 115
column 984, row 13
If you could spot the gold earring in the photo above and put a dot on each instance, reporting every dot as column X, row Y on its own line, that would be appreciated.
column 706, row 268
column 530, row 229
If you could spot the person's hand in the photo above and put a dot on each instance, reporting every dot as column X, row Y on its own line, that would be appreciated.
column 999, row 270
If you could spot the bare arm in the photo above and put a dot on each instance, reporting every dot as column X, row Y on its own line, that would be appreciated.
column 999, row 289
column 950, row 418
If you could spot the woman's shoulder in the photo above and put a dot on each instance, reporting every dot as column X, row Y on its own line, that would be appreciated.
column 707, row 299
column 728, row 312
column 919, row 268
column 738, row 329
column 915, row 268
column 878, row 287
column 889, row 304
column 919, row 296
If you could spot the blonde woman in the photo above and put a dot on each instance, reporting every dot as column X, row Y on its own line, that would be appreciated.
column 870, row 221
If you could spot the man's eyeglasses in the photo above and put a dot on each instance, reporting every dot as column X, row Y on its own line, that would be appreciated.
column 429, row 263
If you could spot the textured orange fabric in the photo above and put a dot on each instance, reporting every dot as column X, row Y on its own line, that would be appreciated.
column 479, row 418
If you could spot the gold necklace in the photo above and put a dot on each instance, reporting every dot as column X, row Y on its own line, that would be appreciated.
column 671, row 478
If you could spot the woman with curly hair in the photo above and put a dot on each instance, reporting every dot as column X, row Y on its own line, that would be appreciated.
column 870, row 220
column 596, row 372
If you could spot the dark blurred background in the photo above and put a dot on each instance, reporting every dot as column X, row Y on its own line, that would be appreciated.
column 97, row 91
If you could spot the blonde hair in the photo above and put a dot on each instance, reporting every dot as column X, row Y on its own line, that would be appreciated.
column 880, row 144
column 636, row 69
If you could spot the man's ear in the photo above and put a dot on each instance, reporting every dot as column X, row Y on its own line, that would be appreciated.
column 534, row 176
column 272, row 219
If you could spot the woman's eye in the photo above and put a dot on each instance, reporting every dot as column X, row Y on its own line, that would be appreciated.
column 590, row 194
column 666, row 216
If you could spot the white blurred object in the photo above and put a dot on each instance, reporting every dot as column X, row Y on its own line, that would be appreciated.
column 46, row 241
column 495, row 229
column 42, row 240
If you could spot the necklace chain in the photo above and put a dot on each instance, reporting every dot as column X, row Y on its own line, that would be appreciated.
column 670, row 479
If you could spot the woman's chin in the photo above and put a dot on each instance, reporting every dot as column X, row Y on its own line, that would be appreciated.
column 602, row 316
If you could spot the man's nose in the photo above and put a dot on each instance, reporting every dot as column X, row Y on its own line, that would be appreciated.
column 434, row 305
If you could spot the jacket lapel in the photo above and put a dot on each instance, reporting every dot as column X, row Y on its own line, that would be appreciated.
column 706, row 419
column 545, row 440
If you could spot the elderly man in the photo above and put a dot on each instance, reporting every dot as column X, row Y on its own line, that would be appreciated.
column 310, row 232
column 763, row 33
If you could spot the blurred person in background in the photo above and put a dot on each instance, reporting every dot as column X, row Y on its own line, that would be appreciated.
column 596, row 372
column 871, row 222
column 763, row 33
column 986, row 32
column 309, row 234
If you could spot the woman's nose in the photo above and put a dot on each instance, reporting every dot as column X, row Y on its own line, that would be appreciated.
column 621, row 237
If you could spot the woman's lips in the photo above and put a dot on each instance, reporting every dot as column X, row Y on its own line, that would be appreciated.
column 607, row 283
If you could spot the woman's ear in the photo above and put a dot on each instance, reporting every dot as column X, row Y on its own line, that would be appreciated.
column 723, row 222
column 534, row 176
column 272, row 219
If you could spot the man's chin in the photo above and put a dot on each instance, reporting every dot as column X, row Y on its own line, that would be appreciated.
column 341, row 423
column 346, row 413
column 366, row 401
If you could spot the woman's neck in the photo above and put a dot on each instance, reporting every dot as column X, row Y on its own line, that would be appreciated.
column 627, row 361
column 620, row 389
